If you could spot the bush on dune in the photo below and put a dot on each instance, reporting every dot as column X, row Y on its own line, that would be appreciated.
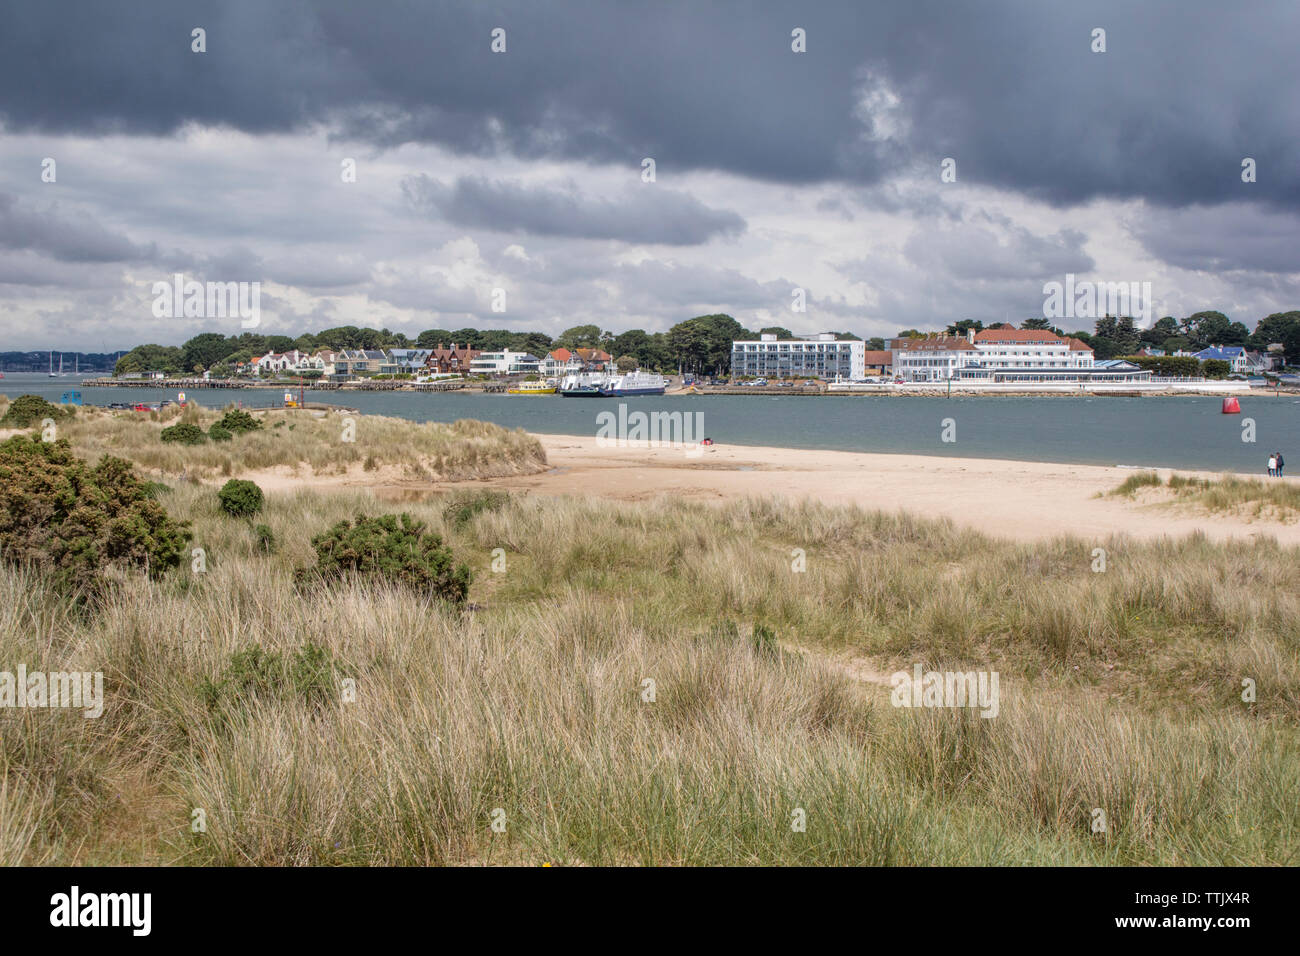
column 74, row 522
column 28, row 410
column 238, row 421
column 184, row 433
column 390, row 550
column 240, row 498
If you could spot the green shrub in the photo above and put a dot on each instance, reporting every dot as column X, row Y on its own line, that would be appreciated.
column 74, row 522
column 240, row 498
column 763, row 639
column 308, row 676
column 28, row 410
column 392, row 550
column 1215, row 368
column 463, row 506
column 184, row 433
column 264, row 538
column 238, row 421
column 217, row 433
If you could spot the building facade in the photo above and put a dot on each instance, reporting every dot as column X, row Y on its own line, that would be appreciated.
column 820, row 356
column 505, row 362
column 1004, row 354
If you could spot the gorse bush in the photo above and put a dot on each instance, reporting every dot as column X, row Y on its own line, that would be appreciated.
column 27, row 410
column 184, row 433
column 238, row 421
column 74, row 522
column 239, row 498
column 217, row 433
column 264, row 539
column 463, row 506
column 390, row 549
column 308, row 676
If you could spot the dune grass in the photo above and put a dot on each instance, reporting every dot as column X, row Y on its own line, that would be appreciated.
column 319, row 443
column 1120, row 691
column 1268, row 498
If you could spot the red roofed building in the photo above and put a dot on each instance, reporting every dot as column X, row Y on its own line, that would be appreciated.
column 1004, row 354
column 450, row 360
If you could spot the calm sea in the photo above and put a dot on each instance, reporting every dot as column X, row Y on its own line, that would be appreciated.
column 1184, row 432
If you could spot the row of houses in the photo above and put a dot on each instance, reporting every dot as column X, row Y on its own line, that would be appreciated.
column 453, row 360
column 1002, row 353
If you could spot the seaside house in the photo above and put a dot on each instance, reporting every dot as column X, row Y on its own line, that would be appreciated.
column 560, row 362
column 1242, row 362
column 450, row 361
column 594, row 360
column 323, row 361
column 505, row 362
column 274, row 362
column 820, row 356
column 404, row 361
column 358, row 362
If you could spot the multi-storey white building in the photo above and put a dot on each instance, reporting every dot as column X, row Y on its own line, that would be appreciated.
column 1003, row 354
column 820, row 355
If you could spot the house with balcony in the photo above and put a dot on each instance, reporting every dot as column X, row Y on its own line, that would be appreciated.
column 351, row 362
column 506, row 362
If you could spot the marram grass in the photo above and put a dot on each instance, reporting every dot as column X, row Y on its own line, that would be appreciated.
column 1121, row 691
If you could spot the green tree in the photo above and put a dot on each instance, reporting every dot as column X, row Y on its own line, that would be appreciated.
column 206, row 349
column 580, row 337
column 961, row 326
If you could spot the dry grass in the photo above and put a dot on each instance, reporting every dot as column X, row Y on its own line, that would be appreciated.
column 311, row 440
column 1269, row 498
column 1120, row 690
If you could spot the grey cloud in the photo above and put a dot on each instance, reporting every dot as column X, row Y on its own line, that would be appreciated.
column 63, row 235
column 647, row 212
column 1230, row 237
column 1010, row 90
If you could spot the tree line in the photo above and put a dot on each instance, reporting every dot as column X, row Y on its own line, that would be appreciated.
column 701, row 344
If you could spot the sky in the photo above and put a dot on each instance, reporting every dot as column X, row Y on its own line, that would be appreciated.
column 775, row 170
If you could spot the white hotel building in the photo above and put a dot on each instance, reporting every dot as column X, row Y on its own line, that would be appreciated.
column 1005, row 355
column 818, row 355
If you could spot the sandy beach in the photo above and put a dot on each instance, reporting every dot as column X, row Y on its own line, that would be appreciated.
column 1015, row 499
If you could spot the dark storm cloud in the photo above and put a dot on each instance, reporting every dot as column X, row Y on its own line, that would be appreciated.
column 1011, row 90
column 644, row 213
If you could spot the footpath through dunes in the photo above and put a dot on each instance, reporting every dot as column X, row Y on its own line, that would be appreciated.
column 1025, row 501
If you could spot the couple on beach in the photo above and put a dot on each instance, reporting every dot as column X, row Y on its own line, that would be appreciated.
column 1275, row 464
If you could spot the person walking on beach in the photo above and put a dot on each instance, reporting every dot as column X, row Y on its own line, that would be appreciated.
column 1272, row 465
column 1280, row 463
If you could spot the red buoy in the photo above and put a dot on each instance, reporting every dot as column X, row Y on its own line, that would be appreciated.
column 1231, row 406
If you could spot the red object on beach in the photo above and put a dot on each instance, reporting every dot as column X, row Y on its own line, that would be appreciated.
column 1231, row 406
